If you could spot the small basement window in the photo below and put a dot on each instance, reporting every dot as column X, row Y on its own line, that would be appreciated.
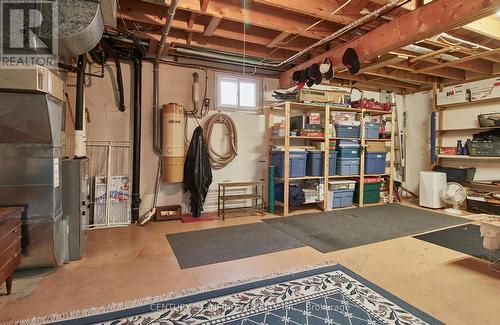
column 238, row 93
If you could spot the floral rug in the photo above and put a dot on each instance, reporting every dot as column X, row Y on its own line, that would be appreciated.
column 324, row 295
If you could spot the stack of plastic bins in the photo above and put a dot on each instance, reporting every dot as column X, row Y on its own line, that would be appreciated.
column 372, row 130
column 371, row 193
column 315, row 163
column 348, row 130
column 340, row 194
column 348, row 157
column 375, row 162
column 297, row 163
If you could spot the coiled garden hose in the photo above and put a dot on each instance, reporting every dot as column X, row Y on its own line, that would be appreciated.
column 221, row 160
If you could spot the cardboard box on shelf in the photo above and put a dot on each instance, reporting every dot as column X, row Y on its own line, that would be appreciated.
column 375, row 146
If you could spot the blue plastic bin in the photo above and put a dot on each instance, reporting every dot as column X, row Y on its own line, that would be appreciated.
column 347, row 131
column 347, row 166
column 315, row 165
column 375, row 162
column 348, row 149
column 340, row 198
column 372, row 130
column 297, row 163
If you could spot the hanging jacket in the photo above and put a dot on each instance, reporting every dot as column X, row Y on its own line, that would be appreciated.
column 197, row 172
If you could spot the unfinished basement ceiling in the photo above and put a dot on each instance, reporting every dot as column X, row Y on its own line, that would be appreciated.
column 270, row 31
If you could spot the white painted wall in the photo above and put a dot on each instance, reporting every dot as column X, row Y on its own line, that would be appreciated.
column 108, row 124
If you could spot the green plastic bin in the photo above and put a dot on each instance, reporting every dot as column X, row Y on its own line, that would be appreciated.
column 371, row 193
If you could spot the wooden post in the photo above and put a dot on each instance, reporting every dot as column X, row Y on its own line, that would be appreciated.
column 286, row 182
column 392, row 156
column 327, row 158
column 362, row 160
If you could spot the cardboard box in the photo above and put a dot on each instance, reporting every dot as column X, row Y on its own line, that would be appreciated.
column 375, row 146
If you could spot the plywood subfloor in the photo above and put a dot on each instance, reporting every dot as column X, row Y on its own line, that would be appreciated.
column 129, row 263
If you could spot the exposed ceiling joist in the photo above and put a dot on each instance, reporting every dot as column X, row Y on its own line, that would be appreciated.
column 212, row 26
column 252, row 15
column 402, row 76
column 278, row 39
column 204, row 5
column 378, row 81
column 321, row 9
column 406, row 29
column 382, row 61
column 465, row 63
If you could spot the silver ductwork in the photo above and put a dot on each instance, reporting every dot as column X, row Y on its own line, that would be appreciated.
column 30, row 152
column 80, row 26
column 423, row 50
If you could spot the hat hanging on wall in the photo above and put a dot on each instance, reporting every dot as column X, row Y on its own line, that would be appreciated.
column 296, row 77
column 351, row 60
column 326, row 68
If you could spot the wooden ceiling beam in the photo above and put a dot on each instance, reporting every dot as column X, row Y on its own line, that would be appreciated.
column 253, row 15
column 406, row 29
column 320, row 9
column 204, row 5
column 380, row 82
column 278, row 39
column 212, row 26
column 217, row 43
column 402, row 76
column 449, row 72
column 465, row 63
column 382, row 61
column 192, row 18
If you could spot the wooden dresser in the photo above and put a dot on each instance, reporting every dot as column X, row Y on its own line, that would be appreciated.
column 10, row 243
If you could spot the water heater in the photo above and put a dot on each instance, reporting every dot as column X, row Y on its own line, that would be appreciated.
column 173, row 143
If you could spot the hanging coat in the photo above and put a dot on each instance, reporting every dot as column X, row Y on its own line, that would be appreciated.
column 197, row 172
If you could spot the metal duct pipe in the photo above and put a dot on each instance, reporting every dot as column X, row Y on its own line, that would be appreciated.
column 80, row 92
column 459, row 40
column 157, row 136
column 340, row 32
column 136, row 155
column 423, row 50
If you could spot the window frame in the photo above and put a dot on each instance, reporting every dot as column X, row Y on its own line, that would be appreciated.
column 239, row 79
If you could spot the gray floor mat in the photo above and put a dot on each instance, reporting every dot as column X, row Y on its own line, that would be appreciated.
column 335, row 230
column 202, row 247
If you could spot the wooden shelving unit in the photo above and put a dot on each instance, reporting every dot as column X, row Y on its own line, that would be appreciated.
column 441, row 131
column 285, row 109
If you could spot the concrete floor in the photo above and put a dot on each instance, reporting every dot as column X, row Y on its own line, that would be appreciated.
column 123, row 264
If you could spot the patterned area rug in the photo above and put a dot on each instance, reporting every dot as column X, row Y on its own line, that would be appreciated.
column 324, row 295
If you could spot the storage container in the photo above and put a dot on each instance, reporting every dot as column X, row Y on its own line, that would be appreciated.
column 375, row 162
column 478, row 206
column 372, row 130
column 489, row 119
column 483, row 148
column 341, row 185
column 340, row 198
column 375, row 146
column 348, row 149
column 371, row 192
column 456, row 174
column 297, row 163
column 315, row 163
column 347, row 166
column 347, row 131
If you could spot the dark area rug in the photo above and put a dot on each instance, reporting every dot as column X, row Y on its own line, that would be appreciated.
column 464, row 239
column 335, row 230
column 202, row 247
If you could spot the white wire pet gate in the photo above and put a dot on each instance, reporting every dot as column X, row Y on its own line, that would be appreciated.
column 109, row 168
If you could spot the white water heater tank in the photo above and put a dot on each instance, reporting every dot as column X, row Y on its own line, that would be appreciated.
column 431, row 185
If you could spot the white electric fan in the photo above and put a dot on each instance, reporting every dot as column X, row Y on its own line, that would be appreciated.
column 453, row 194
